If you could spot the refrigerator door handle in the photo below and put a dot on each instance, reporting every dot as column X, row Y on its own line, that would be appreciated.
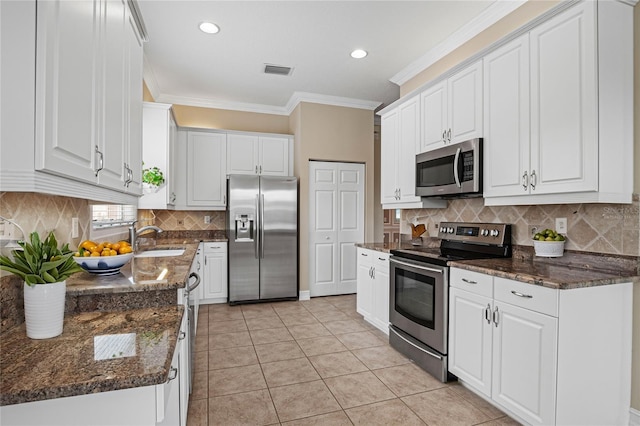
column 262, row 226
column 255, row 238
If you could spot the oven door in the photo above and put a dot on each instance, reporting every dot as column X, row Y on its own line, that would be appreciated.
column 419, row 294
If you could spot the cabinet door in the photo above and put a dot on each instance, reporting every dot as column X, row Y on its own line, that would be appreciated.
column 184, row 361
column 215, row 271
column 388, row 152
column 171, row 162
column 470, row 337
column 381, row 298
column 133, row 108
column 524, row 363
column 464, row 96
column 113, row 123
column 242, row 154
column 506, row 119
column 564, row 103
column 206, row 169
column 408, row 141
column 66, row 72
column 273, row 156
column 364, row 292
column 434, row 117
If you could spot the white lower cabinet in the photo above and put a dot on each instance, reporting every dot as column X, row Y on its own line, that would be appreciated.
column 373, row 288
column 214, row 273
column 541, row 354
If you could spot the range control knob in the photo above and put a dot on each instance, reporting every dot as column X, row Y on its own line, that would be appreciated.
column 484, row 232
column 450, row 230
column 494, row 232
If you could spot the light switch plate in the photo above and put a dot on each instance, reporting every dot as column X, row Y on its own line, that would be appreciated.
column 75, row 227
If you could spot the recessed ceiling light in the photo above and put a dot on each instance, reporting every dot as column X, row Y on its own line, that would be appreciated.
column 359, row 54
column 209, row 28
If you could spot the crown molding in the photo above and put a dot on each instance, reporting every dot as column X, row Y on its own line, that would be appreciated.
column 340, row 101
column 484, row 20
column 293, row 102
column 150, row 78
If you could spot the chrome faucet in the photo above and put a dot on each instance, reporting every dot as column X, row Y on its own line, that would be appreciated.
column 134, row 233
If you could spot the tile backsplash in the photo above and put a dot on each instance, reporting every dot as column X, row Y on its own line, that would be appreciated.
column 604, row 228
column 182, row 220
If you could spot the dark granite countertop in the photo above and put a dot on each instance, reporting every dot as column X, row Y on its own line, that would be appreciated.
column 80, row 361
column 573, row 270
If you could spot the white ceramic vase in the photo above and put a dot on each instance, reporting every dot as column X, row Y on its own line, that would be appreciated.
column 44, row 309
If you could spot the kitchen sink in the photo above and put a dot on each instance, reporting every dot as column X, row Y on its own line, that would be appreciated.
column 160, row 253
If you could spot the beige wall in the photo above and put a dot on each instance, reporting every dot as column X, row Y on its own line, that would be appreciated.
column 212, row 118
column 330, row 133
column 522, row 15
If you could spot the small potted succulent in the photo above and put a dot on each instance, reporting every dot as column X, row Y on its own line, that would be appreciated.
column 44, row 267
column 152, row 179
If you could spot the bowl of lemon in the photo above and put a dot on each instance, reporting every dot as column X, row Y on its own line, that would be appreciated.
column 104, row 258
column 549, row 243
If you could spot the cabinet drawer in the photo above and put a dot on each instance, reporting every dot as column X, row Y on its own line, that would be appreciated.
column 474, row 282
column 215, row 247
column 528, row 296
column 380, row 261
column 365, row 256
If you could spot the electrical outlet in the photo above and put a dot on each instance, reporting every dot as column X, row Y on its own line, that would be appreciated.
column 561, row 225
column 207, row 219
column 75, row 227
column 534, row 229
column 8, row 232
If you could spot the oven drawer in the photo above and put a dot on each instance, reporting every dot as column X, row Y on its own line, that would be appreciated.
column 528, row 296
column 471, row 281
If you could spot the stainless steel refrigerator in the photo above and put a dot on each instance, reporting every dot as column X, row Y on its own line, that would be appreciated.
column 262, row 216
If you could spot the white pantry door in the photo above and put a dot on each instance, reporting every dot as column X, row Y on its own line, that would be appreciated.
column 336, row 210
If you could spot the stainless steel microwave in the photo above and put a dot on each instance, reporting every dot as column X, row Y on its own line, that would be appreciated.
column 451, row 171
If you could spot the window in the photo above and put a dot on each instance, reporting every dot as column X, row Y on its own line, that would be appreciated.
column 109, row 215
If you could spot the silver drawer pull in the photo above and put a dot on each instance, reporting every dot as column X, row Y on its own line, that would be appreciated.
column 382, row 258
column 469, row 281
column 526, row 296
column 364, row 254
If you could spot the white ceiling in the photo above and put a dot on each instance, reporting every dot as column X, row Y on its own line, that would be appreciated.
column 225, row 70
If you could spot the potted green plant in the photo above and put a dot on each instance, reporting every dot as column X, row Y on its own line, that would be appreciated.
column 152, row 178
column 44, row 267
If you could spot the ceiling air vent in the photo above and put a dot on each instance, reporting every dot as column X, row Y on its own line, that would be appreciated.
column 277, row 69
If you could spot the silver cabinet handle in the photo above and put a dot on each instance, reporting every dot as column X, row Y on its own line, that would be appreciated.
column 399, row 193
column 173, row 373
column 101, row 162
column 373, row 272
column 199, row 265
column 260, row 169
column 496, row 316
column 449, row 136
column 364, row 254
column 224, row 200
column 444, row 136
column 469, row 281
column 526, row 296
column 130, row 176
column 256, row 169
column 534, row 180
column 525, row 180
column 182, row 335
column 487, row 313
column 382, row 258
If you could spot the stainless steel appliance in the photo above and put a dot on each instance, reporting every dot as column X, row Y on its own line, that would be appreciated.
column 419, row 289
column 262, row 215
column 452, row 171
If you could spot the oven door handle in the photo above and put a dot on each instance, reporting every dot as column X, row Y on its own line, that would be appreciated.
column 411, row 265
column 415, row 346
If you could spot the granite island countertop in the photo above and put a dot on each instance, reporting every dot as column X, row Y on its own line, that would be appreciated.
column 80, row 361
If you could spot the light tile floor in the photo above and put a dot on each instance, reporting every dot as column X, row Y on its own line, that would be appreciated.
column 316, row 362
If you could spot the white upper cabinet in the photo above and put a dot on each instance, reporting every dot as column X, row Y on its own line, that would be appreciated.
column 564, row 103
column 206, row 169
column 452, row 109
column 579, row 148
column 506, row 118
column 158, row 133
column 253, row 154
column 85, row 82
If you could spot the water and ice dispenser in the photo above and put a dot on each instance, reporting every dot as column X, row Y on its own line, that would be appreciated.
column 245, row 227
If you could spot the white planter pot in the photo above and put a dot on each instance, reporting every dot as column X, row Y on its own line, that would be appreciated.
column 44, row 309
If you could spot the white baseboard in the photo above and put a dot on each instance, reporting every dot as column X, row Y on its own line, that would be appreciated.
column 634, row 417
column 304, row 295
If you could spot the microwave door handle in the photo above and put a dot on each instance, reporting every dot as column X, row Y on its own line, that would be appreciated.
column 455, row 168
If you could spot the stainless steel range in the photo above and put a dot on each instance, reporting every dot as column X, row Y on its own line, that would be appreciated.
column 419, row 290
